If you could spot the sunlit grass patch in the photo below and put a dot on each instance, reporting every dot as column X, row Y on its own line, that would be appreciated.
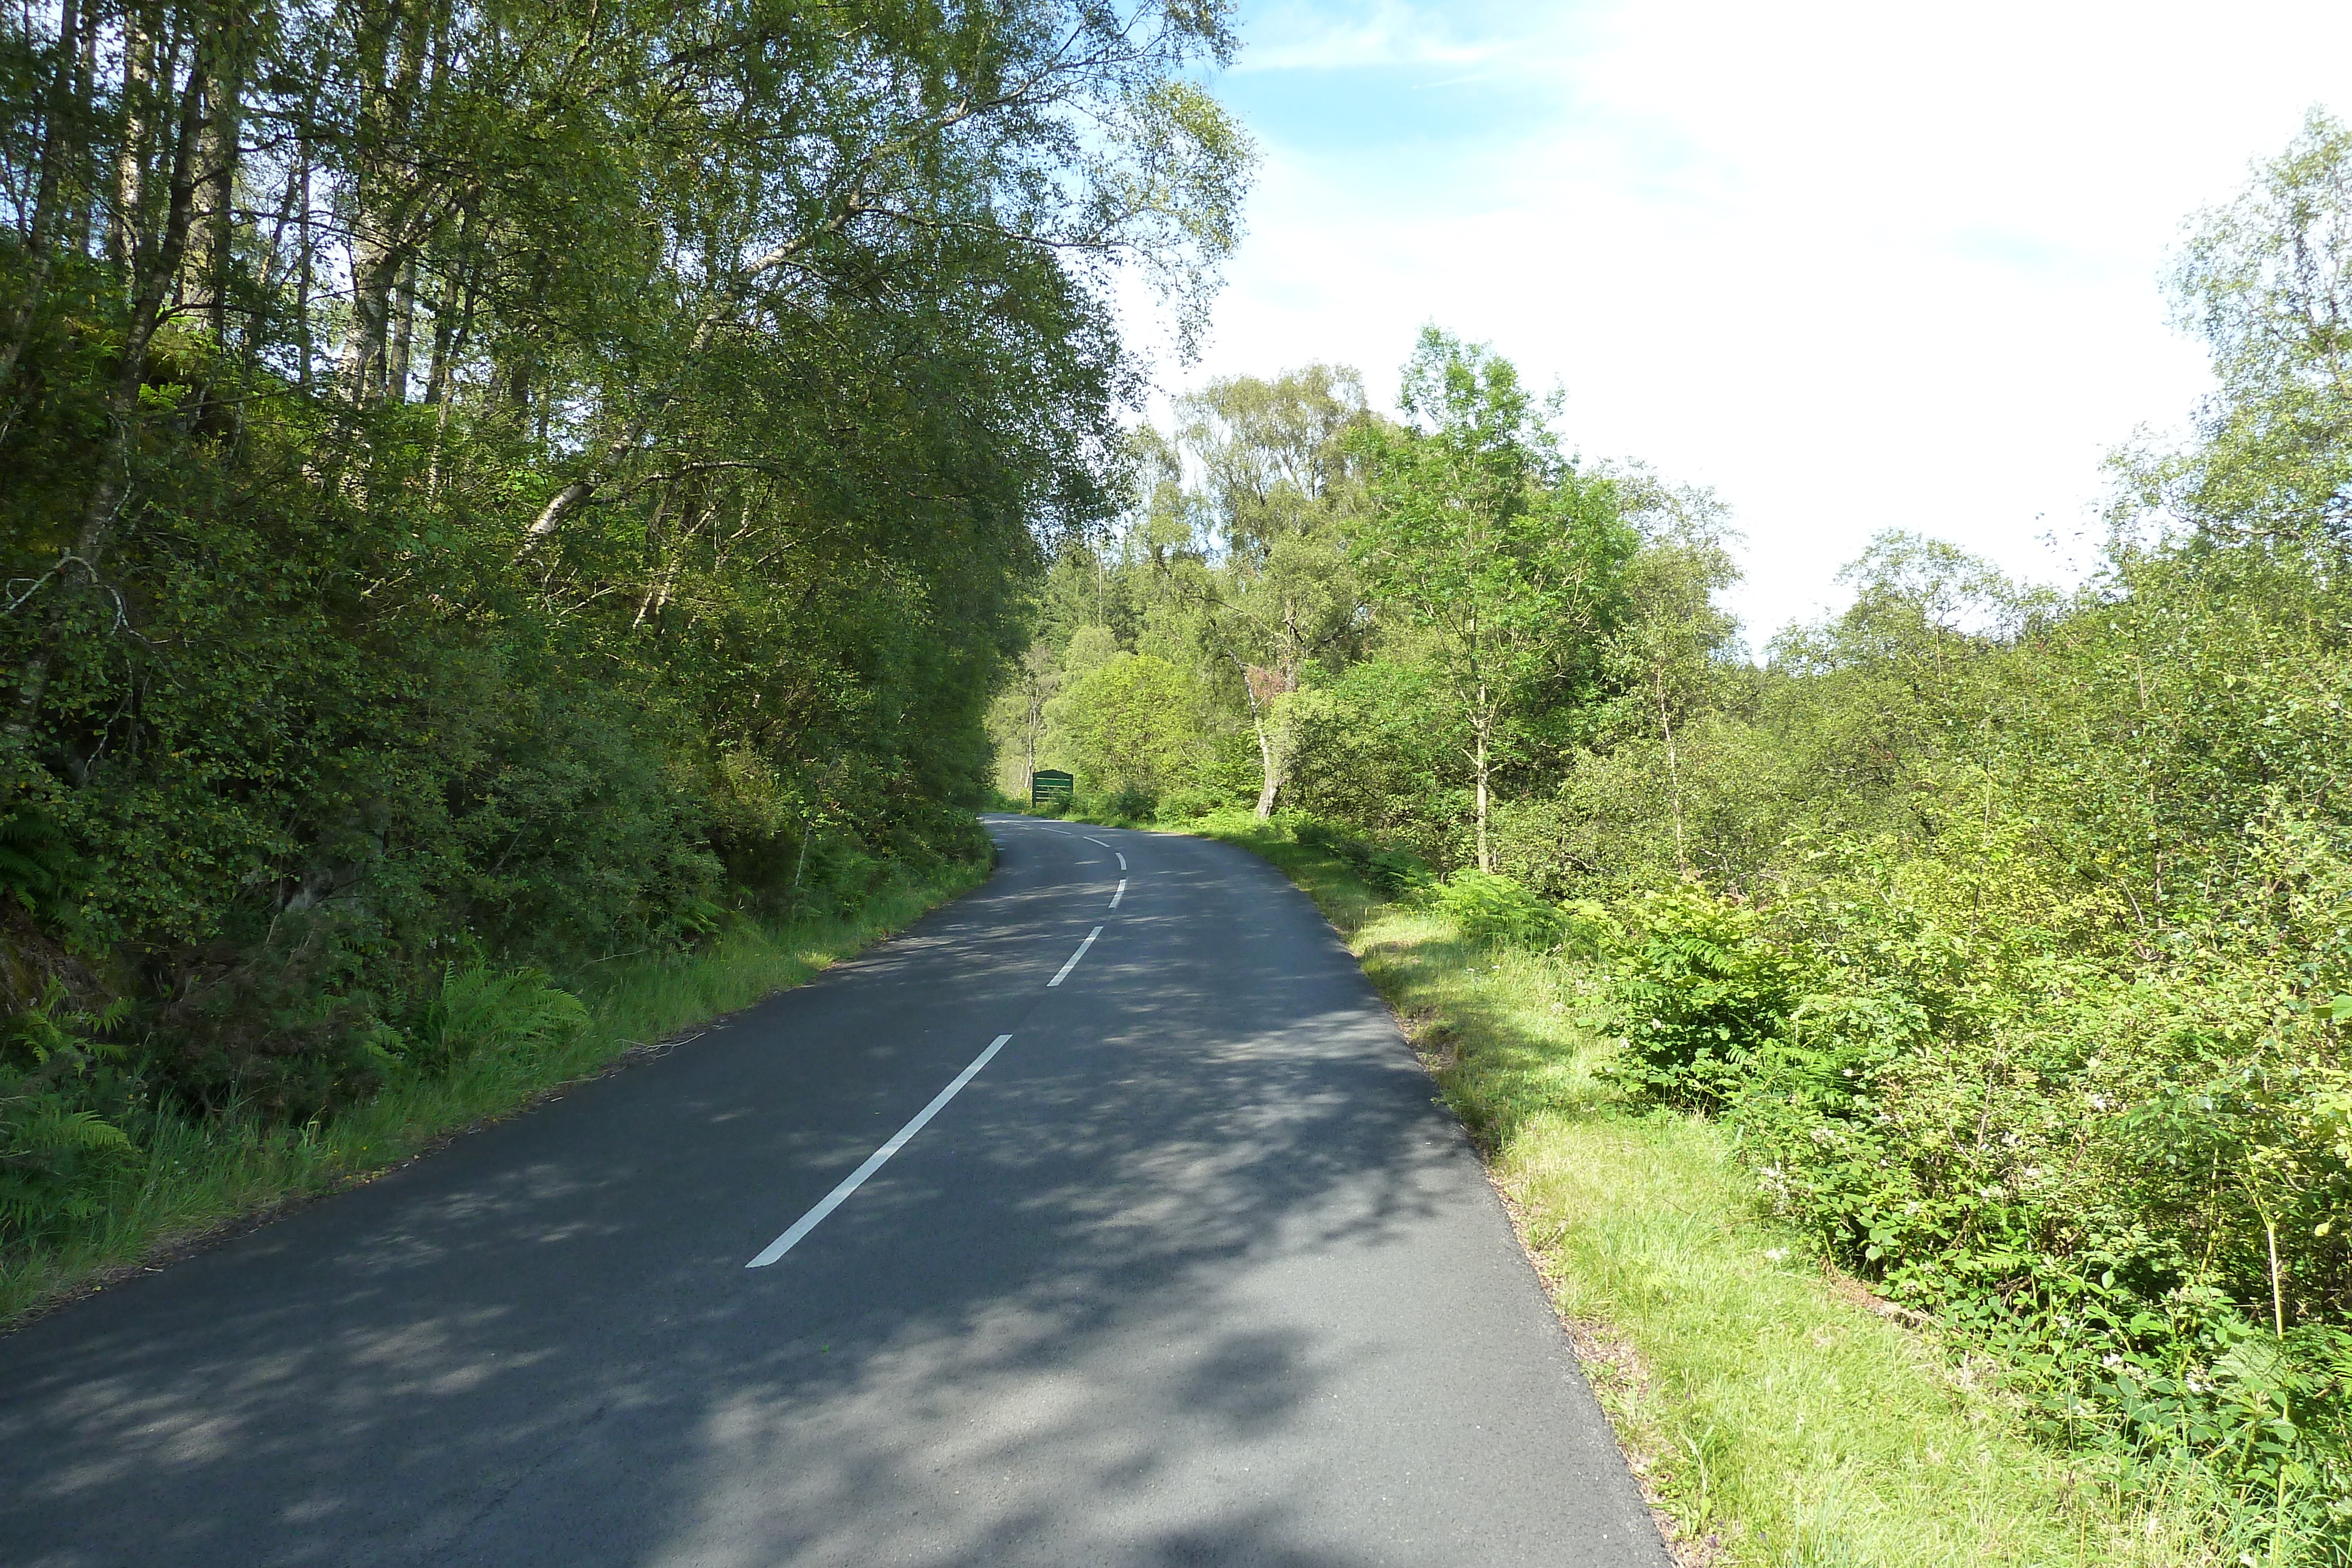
column 196, row 1177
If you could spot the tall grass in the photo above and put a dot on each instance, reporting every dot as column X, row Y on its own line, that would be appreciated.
column 1776, row 1412
column 198, row 1176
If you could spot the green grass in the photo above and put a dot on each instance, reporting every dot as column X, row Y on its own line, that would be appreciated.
column 198, row 1177
column 1776, row 1412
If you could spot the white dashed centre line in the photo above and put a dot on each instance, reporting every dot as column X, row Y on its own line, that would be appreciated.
column 1073, row 964
column 1122, row 859
column 878, row 1158
column 1119, row 894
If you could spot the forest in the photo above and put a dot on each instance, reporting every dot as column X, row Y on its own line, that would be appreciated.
column 490, row 491
column 2007, row 928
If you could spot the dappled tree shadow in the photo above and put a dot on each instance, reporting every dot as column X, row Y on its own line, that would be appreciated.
column 1180, row 1278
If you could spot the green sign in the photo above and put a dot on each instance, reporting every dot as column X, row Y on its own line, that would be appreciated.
column 1051, row 784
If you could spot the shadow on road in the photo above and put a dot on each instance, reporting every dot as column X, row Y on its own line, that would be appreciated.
column 1147, row 1294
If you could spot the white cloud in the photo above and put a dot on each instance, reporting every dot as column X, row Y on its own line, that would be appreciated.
column 1856, row 266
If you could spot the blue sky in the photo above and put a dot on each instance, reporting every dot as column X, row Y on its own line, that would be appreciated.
column 1854, row 266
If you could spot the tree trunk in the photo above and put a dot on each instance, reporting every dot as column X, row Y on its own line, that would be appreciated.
column 448, row 334
column 579, row 492
column 1482, row 723
column 273, row 256
column 1271, row 762
column 404, row 330
column 81, row 194
column 1269, row 772
column 1673, row 780
column 207, row 270
column 302, row 273
column 131, row 159
column 156, row 265
column 48, row 192
column 1478, row 764
column 391, row 49
column 372, row 264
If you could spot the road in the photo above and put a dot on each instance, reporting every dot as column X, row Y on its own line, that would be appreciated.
column 1192, row 1271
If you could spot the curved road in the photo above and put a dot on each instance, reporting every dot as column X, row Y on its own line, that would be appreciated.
column 1191, row 1271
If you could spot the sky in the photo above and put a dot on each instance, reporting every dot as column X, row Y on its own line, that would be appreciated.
column 1854, row 267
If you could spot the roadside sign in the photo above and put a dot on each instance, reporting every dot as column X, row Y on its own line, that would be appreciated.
column 1051, row 784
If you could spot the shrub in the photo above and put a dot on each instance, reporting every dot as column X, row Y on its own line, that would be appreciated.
column 1497, row 910
column 1700, row 993
column 63, row 1095
column 37, row 865
column 1392, row 872
column 1188, row 802
column 1131, row 803
column 480, row 1009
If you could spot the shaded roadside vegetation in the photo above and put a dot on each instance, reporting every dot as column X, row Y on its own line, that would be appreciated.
column 2005, row 933
column 493, row 494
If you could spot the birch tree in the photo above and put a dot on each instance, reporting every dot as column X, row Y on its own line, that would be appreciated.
column 1486, row 541
column 1281, row 486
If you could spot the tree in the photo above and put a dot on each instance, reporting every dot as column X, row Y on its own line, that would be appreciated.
column 2267, row 282
column 1481, row 537
column 1017, row 717
column 1669, row 646
column 1280, row 486
column 1131, row 723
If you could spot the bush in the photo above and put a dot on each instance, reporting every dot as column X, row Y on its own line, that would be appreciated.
column 36, row 865
column 1130, row 803
column 480, row 1009
column 1700, row 995
column 1188, row 802
column 2133, row 1185
column 1497, row 910
column 63, row 1096
column 1392, row 872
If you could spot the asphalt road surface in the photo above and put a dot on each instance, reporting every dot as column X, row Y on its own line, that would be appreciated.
column 1192, row 1271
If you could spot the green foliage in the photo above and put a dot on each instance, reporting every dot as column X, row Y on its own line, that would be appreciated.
column 1129, row 804
column 479, row 1009
column 2125, row 1181
column 1779, row 1416
column 1380, row 749
column 37, row 865
column 1132, row 730
column 193, row 1173
column 1495, row 909
column 2007, row 932
column 1702, row 999
column 1393, row 873
column 1501, row 555
column 63, row 1097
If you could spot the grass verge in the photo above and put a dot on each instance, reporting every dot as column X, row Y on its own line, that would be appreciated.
column 199, row 1179
column 1775, row 1411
